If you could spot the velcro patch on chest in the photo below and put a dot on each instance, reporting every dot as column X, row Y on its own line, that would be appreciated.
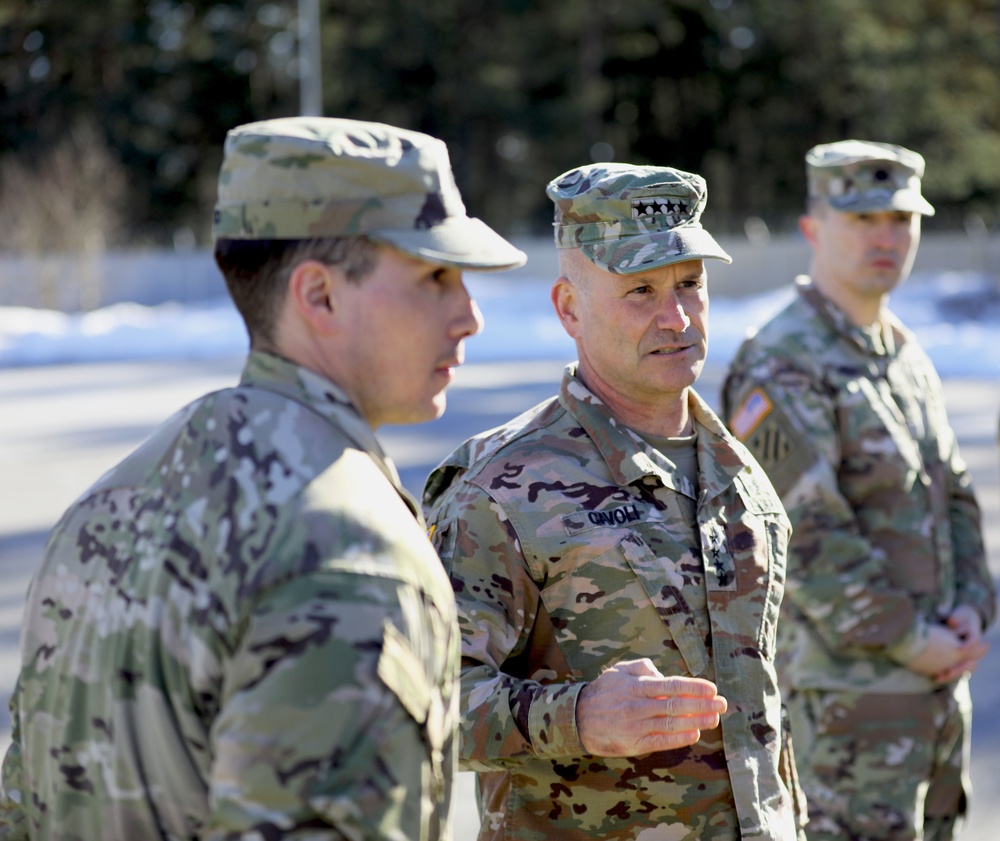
column 622, row 516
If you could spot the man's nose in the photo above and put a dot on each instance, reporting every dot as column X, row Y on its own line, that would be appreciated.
column 470, row 319
column 886, row 234
column 671, row 314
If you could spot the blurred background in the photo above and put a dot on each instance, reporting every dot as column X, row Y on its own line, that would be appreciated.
column 112, row 119
column 113, row 112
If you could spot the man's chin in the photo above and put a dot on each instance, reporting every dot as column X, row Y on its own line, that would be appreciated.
column 432, row 412
column 411, row 415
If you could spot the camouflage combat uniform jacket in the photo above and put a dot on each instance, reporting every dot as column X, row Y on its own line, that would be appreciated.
column 851, row 428
column 240, row 631
column 572, row 545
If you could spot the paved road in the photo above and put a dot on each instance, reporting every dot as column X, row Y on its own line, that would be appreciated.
column 62, row 426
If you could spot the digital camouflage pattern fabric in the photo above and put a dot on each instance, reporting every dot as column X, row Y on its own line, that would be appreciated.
column 852, row 430
column 303, row 177
column 628, row 219
column 241, row 631
column 571, row 545
column 850, row 425
column 870, row 762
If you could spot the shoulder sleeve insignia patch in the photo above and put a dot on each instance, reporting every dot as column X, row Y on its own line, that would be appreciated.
column 755, row 407
column 778, row 443
column 771, row 445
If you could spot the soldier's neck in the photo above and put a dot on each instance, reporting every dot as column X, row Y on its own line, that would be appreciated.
column 863, row 308
column 666, row 415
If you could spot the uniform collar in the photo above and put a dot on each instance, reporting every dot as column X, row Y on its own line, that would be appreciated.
column 276, row 374
column 873, row 343
column 630, row 459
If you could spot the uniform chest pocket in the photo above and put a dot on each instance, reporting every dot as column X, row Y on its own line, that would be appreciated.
column 875, row 434
column 666, row 586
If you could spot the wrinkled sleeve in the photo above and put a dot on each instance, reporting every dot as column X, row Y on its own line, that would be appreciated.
column 974, row 583
column 13, row 820
column 508, row 711
column 321, row 728
column 837, row 581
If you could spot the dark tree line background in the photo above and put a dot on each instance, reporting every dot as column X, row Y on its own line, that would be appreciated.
column 116, row 109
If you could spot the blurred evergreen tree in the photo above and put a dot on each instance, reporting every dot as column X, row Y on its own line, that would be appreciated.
column 521, row 90
column 163, row 80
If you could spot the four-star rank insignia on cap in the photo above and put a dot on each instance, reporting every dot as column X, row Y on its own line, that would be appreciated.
column 676, row 210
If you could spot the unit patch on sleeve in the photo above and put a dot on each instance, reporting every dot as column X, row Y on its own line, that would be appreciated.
column 781, row 447
column 755, row 407
column 770, row 443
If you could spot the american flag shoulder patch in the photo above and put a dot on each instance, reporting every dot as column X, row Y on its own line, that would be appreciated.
column 755, row 407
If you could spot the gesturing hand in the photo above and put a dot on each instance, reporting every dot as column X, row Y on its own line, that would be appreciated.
column 631, row 710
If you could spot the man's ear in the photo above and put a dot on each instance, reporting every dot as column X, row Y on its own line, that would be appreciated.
column 313, row 289
column 565, row 298
column 807, row 225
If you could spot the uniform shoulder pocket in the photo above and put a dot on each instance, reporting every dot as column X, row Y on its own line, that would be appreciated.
column 775, row 438
column 399, row 669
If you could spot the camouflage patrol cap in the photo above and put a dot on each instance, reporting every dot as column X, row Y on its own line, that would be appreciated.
column 629, row 219
column 860, row 176
column 303, row 177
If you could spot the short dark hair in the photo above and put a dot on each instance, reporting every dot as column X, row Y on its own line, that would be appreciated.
column 257, row 271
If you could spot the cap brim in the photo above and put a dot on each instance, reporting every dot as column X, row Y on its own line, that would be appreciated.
column 643, row 252
column 464, row 243
column 873, row 202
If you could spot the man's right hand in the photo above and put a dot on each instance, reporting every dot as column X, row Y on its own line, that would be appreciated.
column 948, row 654
column 632, row 710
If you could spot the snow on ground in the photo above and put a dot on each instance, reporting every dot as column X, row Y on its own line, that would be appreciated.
column 956, row 316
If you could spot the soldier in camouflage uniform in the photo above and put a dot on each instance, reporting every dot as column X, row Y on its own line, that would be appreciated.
column 242, row 631
column 888, row 589
column 618, row 558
